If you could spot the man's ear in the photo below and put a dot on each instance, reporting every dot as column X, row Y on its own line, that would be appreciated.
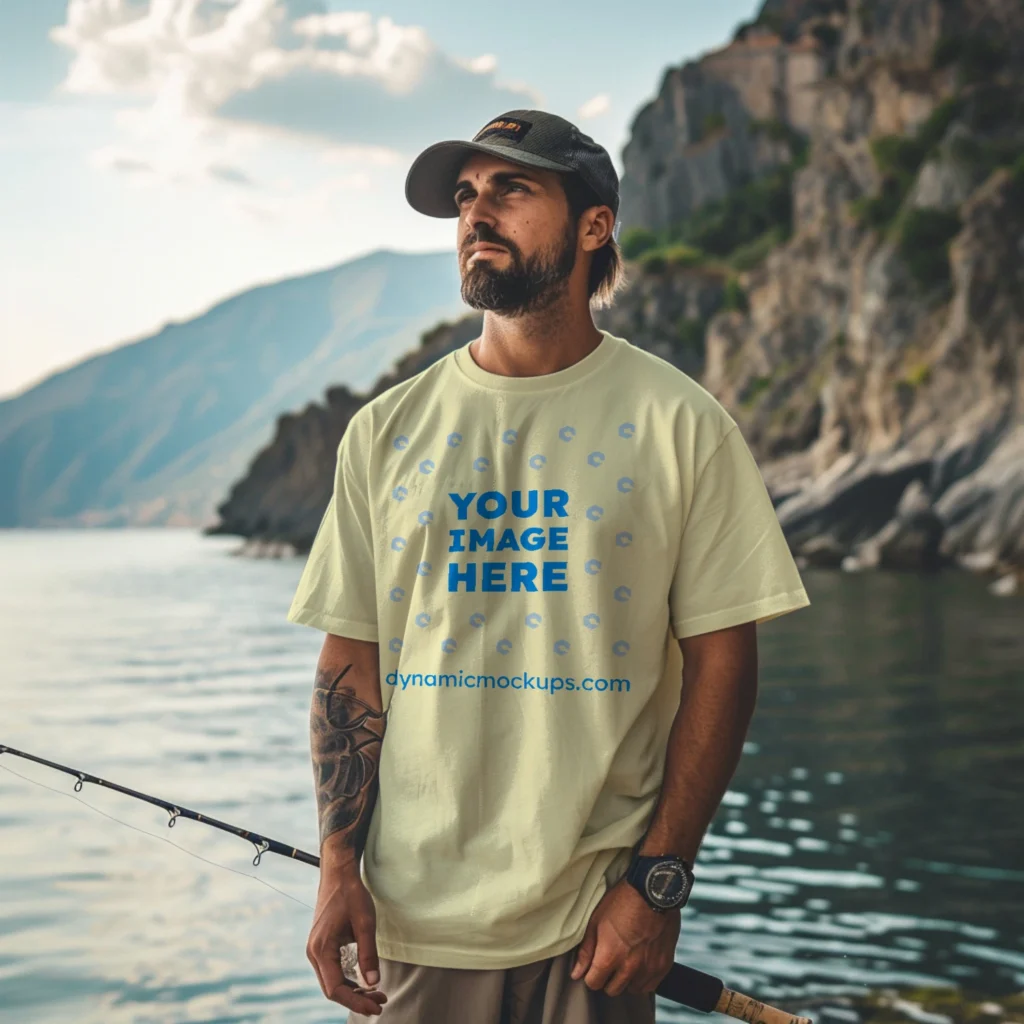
column 597, row 224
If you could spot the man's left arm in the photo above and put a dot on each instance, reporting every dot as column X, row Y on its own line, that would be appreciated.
column 628, row 946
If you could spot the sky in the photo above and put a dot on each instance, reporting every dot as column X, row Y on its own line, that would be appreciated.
column 158, row 156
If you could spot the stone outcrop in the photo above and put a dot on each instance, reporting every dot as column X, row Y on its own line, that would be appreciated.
column 880, row 381
column 704, row 133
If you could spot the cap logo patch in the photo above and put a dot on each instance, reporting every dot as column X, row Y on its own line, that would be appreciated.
column 513, row 130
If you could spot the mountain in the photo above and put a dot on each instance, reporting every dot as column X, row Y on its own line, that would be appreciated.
column 153, row 432
column 824, row 224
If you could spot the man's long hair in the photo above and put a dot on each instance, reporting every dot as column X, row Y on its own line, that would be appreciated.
column 607, row 271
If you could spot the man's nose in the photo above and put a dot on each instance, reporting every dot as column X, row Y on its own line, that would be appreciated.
column 480, row 211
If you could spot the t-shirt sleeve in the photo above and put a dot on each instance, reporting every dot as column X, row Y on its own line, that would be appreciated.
column 734, row 564
column 337, row 591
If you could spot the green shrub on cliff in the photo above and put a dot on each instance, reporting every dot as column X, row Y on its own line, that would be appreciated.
column 690, row 334
column 737, row 231
column 918, row 375
column 734, row 298
column 923, row 243
column 754, row 390
column 637, row 241
column 683, row 256
column 712, row 124
column 660, row 257
column 750, row 255
column 653, row 261
column 901, row 156
column 899, row 159
column 879, row 211
column 722, row 226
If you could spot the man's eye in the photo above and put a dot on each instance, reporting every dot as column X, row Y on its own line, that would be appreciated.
column 461, row 197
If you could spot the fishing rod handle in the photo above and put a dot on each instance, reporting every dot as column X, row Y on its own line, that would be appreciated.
column 741, row 1007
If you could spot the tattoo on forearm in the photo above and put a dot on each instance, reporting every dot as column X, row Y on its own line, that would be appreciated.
column 345, row 739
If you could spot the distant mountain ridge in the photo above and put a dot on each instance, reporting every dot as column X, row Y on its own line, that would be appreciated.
column 153, row 432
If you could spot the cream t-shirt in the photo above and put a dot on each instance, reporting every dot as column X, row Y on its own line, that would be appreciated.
column 526, row 550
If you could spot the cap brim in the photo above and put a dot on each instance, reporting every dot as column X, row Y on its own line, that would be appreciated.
column 430, row 183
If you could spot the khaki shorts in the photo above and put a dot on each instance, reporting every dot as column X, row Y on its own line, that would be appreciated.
column 537, row 993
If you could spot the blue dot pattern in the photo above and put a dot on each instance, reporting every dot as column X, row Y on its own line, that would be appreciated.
column 592, row 566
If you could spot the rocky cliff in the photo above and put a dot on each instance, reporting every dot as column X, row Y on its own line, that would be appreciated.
column 876, row 364
column 825, row 221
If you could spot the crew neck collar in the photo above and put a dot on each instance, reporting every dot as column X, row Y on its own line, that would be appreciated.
column 592, row 361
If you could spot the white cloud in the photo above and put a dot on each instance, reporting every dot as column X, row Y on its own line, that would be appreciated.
column 595, row 106
column 203, row 78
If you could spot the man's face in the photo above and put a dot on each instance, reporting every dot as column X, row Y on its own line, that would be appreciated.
column 517, row 244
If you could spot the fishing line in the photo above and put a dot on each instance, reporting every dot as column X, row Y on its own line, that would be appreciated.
column 153, row 835
column 682, row 984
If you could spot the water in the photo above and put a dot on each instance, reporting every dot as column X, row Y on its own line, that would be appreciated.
column 872, row 836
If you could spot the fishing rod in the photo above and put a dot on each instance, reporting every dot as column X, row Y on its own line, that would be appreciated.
column 682, row 984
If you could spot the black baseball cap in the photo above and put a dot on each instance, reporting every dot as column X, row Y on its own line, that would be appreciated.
column 533, row 138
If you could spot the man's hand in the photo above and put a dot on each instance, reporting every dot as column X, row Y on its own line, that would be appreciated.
column 627, row 946
column 345, row 913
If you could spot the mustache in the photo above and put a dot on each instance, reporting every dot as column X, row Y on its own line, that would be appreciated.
column 485, row 234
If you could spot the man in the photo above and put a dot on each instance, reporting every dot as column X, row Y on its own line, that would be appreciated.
column 540, row 574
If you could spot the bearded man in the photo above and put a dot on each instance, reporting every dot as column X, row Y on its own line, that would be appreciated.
column 540, row 576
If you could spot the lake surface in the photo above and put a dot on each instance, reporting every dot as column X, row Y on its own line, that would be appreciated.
column 872, row 837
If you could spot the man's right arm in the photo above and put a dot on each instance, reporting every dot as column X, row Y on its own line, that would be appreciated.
column 346, row 732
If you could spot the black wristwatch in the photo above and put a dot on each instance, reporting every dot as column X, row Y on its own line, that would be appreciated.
column 664, row 882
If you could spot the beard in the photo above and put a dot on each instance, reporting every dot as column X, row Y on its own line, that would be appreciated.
column 526, row 285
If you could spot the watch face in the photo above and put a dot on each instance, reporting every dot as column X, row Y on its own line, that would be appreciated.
column 667, row 885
